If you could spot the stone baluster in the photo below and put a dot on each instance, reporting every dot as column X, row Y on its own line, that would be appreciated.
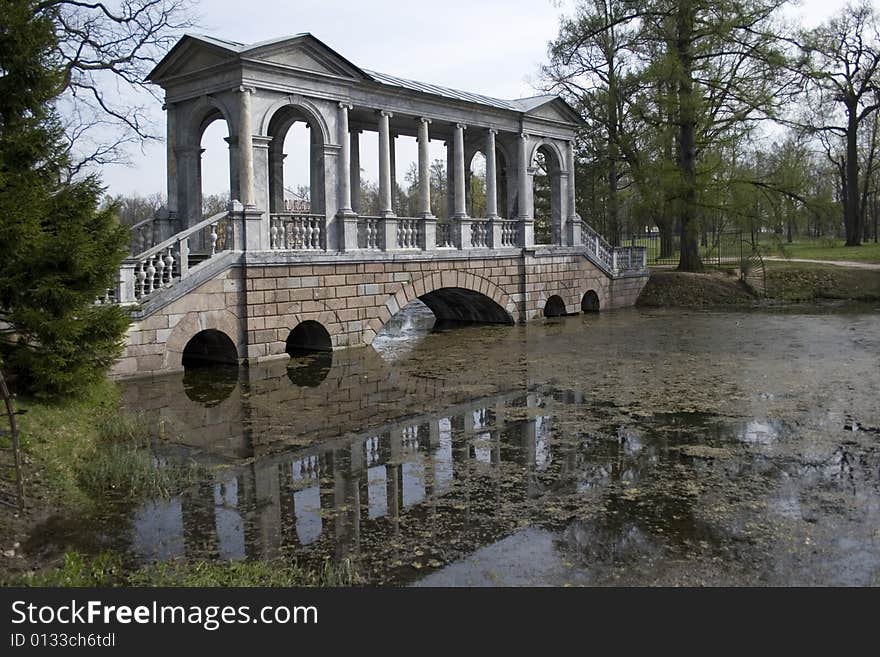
column 169, row 265
column 151, row 275
column 273, row 234
column 160, row 270
column 213, row 238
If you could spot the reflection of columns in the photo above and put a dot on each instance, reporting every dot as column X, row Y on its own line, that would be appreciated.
column 344, row 161
column 245, row 146
column 458, row 141
column 355, row 168
column 385, row 209
column 424, row 169
column 491, row 180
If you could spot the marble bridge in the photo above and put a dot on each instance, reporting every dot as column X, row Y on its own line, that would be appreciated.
column 261, row 280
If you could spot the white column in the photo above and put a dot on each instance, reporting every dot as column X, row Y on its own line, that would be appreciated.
column 245, row 147
column 522, row 178
column 573, row 229
column 344, row 177
column 355, row 169
column 424, row 168
column 385, row 208
column 458, row 142
column 491, row 178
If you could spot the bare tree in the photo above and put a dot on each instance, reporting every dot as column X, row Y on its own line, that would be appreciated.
column 106, row 50
column 840, row 66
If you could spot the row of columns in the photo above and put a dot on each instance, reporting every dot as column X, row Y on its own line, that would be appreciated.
column 347, row 174
column 243, row 143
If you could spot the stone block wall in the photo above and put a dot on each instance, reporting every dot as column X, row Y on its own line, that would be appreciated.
column 258, row 304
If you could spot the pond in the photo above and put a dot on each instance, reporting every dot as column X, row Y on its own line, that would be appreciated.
column 630, row 447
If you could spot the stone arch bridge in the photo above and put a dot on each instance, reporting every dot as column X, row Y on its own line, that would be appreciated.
column 259, row 280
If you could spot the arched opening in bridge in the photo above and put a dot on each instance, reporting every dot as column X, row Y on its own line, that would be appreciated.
column 296, row 172
column 308, row 337
column 216, row 167
column 453, row 306
column 590, row 302
column 441, row 309
column 547, row 198
column 209, row 347
column 555, row 307
column 311, row 354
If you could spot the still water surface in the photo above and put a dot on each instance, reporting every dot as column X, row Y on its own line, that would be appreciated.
column 628, row 447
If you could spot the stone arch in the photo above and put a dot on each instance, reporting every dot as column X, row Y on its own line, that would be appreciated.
column 553, row 147
column 313, row 113
column 192, row 323
column 462, row 287
column 555, row 306
column 548, row 185
column 591, row 301
column 308, row 336
column 569, row 294
column 203, row 112
column 277, row 127
column 207, row 347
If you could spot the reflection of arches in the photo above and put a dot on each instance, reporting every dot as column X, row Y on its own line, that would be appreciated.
column 590, row 302
column 210, row 386
column 209, row 347
column 546, row 161
column 309, row 370
column 555, row 307
column 308, row 337
column 283, row 117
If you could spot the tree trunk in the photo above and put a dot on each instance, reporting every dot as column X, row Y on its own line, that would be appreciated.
column 667, row 248
column 851, row 202
column 689, row 258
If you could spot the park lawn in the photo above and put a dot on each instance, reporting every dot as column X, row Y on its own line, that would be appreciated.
column 800, row 281
column 823, row 250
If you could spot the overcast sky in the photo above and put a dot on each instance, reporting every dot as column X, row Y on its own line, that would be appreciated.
column 492, row 47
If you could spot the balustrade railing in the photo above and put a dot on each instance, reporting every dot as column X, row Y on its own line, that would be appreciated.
column 164, row 264
column 298, row 232
column 509, row 233
column 614, row 259
column 370, row 231
column 409, row 233
column 143, row 235
column 479, row 233
column 444, row 235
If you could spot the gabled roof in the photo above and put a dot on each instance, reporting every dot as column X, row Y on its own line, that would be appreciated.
column 339, row 65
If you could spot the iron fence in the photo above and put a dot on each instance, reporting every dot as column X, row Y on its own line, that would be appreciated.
column 716, row 249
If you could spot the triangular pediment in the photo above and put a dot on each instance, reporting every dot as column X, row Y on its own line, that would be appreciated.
column 192, row 54
column 554, row 109
column 306, row 53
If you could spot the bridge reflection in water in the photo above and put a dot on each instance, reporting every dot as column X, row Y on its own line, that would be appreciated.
column 403, row 486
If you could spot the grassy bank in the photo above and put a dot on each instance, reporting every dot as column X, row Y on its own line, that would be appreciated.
column 109, row 570
column 792, row 281
column 823, row 249
column 87, row 465
column 787, row 282
column 684, row 290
